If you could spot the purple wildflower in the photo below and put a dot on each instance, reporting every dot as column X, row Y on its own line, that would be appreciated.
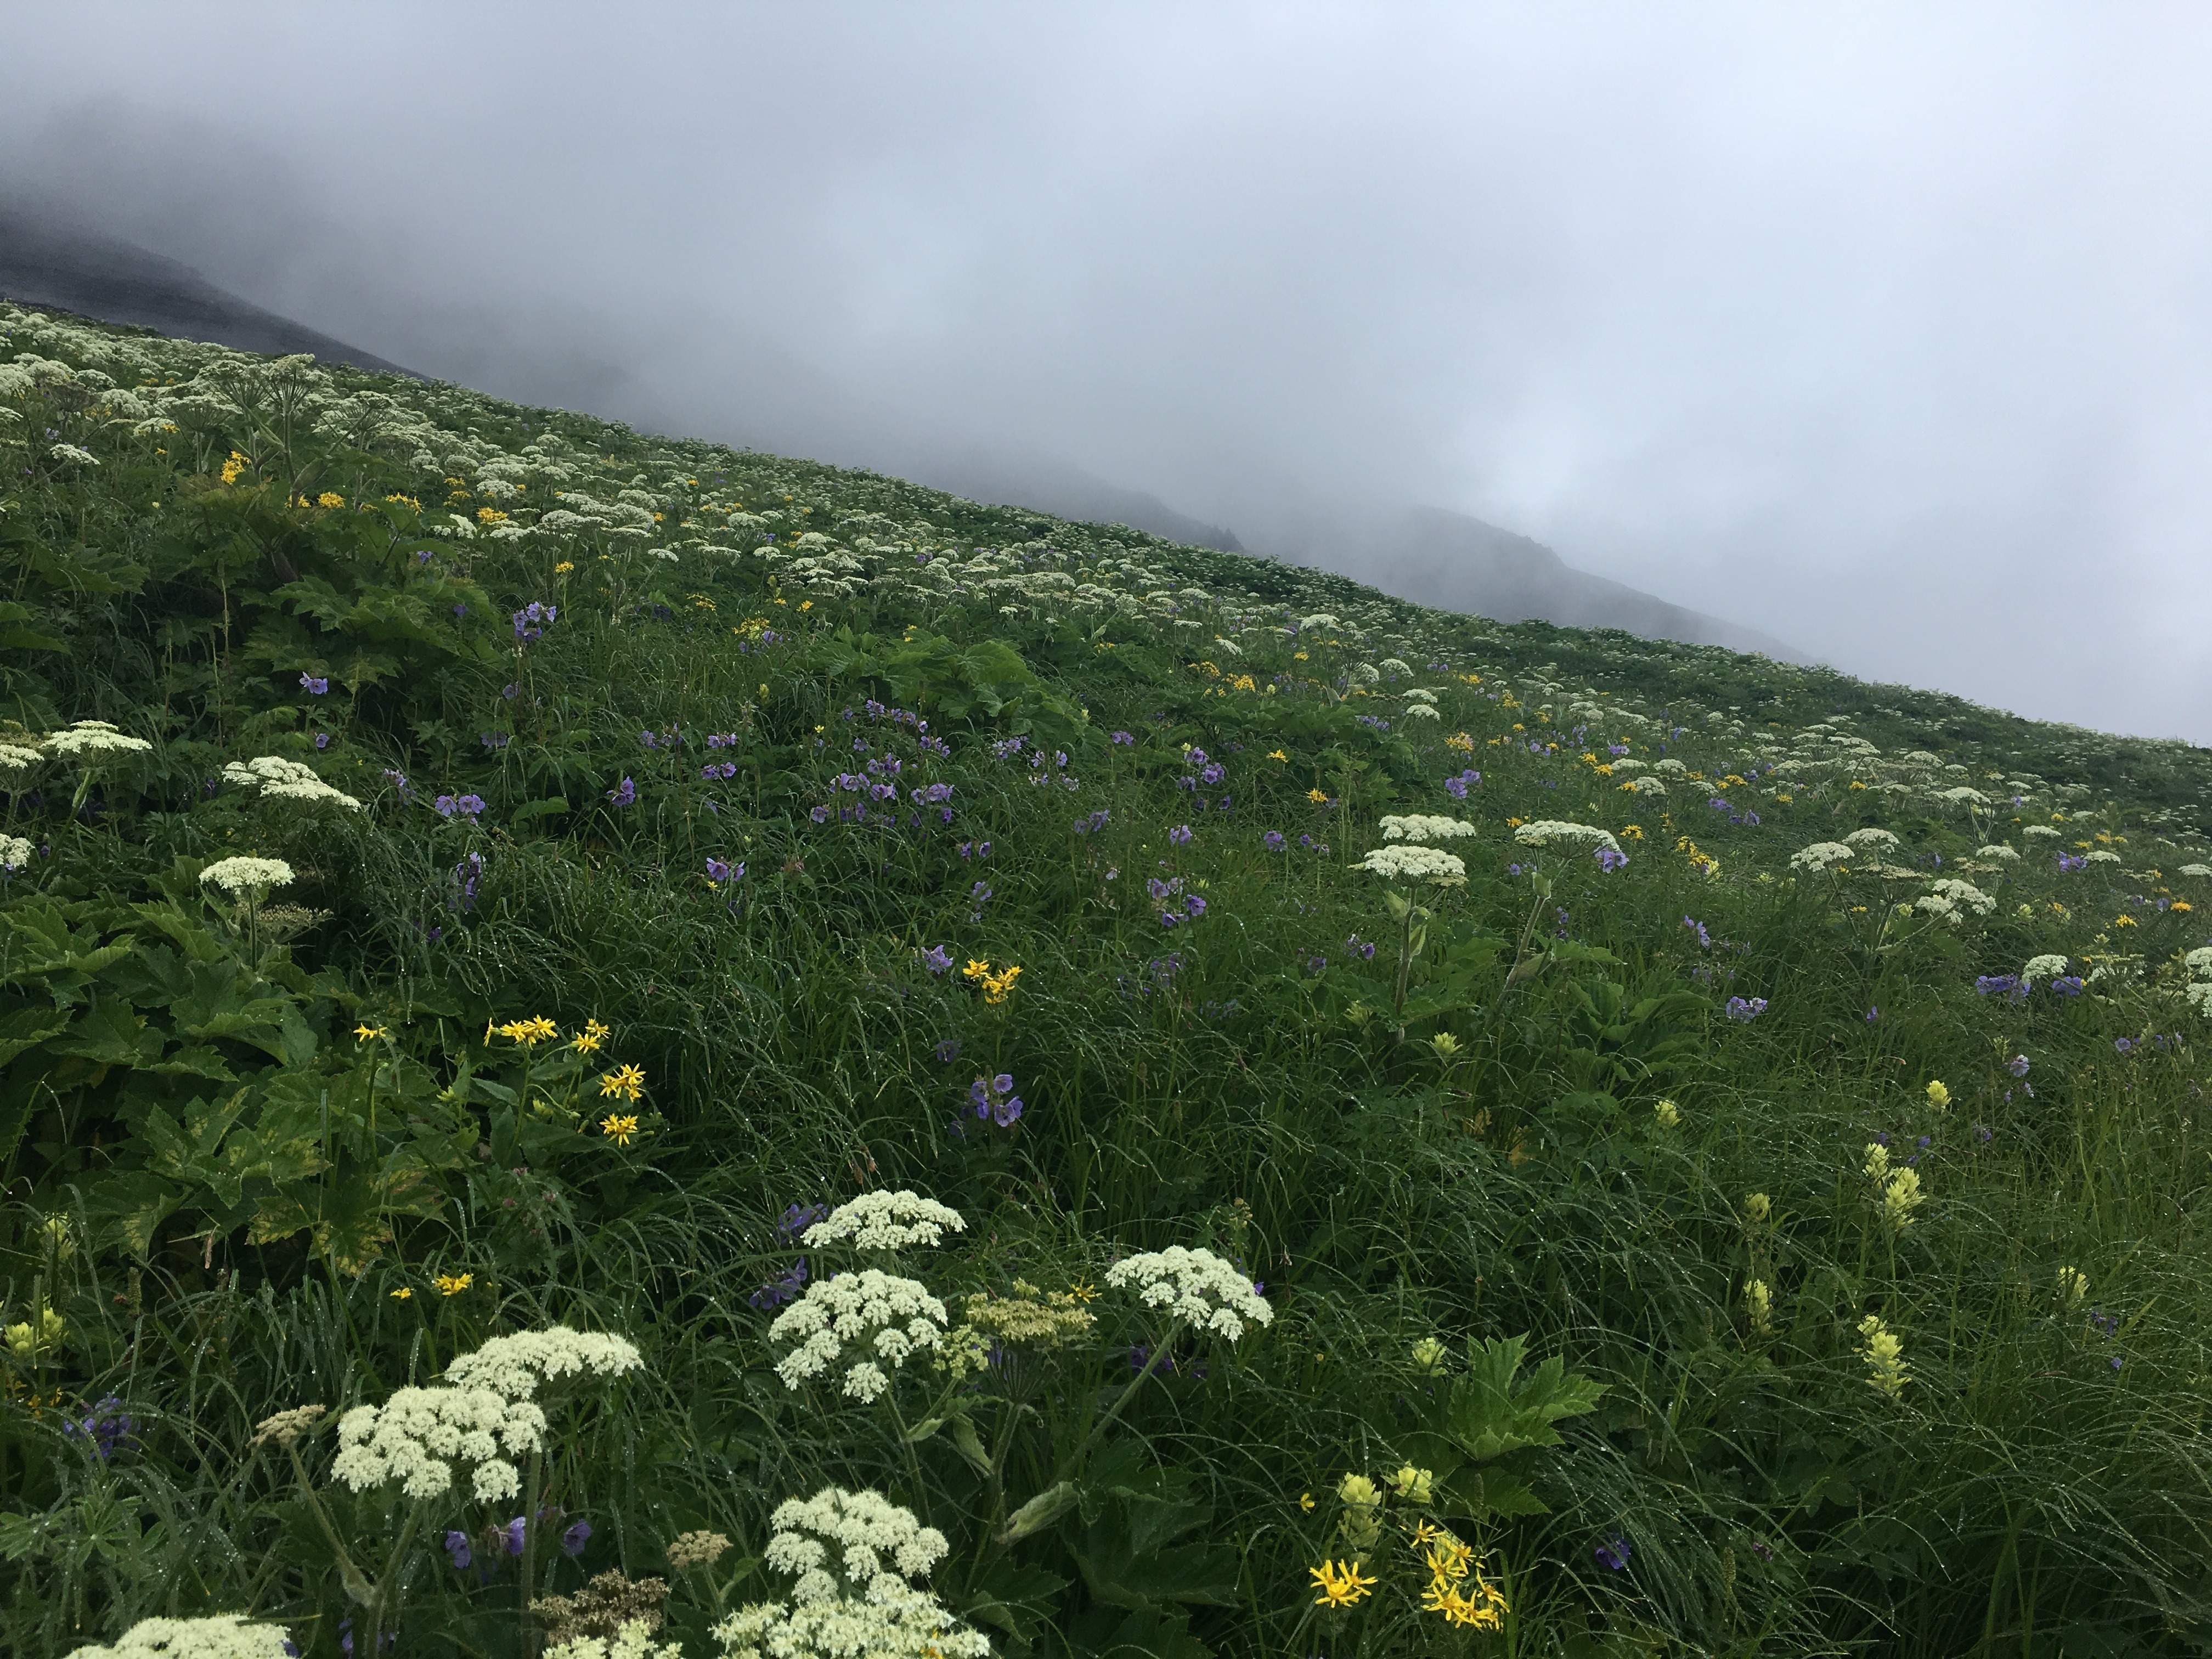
column 1180, row 835
column 457, row 1547
column 1744, row 1010
column 1614, row 1553
column 789, row 1287
column 937, row 959
column 995, row 1101
column 1610, row 858
column 313, row 685
column 2017, row 1066
column 624, row 793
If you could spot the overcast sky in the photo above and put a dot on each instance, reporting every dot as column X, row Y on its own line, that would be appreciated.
column 1887, row 331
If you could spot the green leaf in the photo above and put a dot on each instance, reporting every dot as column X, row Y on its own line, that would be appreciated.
column 1488, row 1416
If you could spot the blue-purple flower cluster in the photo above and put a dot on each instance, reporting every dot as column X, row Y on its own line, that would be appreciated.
column 994, row 1101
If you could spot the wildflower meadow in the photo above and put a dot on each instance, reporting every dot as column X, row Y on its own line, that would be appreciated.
column 618, row 1047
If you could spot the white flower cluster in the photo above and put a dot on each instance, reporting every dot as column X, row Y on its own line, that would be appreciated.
column 1420, row 711
column 886, row 1221
column 2100, row 856
column 2044, row 832
column 2003, row 854
column 1544, row 831
column 1964, row 895
column 1870, row 838
column 909, row 1625
column 1962, row 796
column 13, row 757
column 415, row 1436
column 864, row 1316
column 879, row 1545
column 1821, row 855
column 15, row 853
column 220, row 1636
column 1195, row 1285
column 513, row 1366
column 1414, row 863
column 1647, row 787
column 74, row 455
column 633, row 1641
column 236, row 876
column 1421, row 827
column 2043, row 967
column 2196, row 871
column 93, row 738
column 279, row 779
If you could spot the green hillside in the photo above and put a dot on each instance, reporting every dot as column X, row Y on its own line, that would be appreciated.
column 700, row 1041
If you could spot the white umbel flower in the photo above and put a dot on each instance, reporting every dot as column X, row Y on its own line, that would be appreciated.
column 1544, row 831
column 13, row 757
column 633, row 1641
column 221, row 1636
column 15, row 853
column 1870, row 837
column 1423, row 827
column 1964, row 895
column 1420, row 711
column 93, row 738
column 73, row 455
column 911, row 1624
column 878, row 1544
column 513, row 1366
column 418, row 1435
column 2043, row 967
column 2003, row 854
column 241, row 876
column 1822, row 855
column 2194, row 870
column 278, row 778
column 886, row 1221
column 1414, row 863
column 855, row 1320
column 1193, row 1286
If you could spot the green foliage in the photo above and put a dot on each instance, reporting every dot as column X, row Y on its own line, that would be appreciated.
column 783, row 749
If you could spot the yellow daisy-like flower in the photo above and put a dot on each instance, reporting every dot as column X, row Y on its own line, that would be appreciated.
column 974, row 969
column 628, row 1081
column 1339, row 1583
column 365, row 1033
column 1083, row 1290
column 996, row 985
column 530, row 1032
column 1277, row 753
column 564, row 567
column 587, row 1041
column 329, row 498
column 454, row 1283
column 402, row 1294
column 1306, row 1501
column 618, row 1129
column 1317, row 797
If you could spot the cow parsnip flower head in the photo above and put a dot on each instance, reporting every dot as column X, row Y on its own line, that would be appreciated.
column 886, row 1221
column 2000, row 854
column 633, row 1641
column 860, row 1321
column 15, row 851
column 13, row 757
column 241, row 876
column 2042, row 967
column 513, row 1366
column 94, row 739
column 1822, row 855
column 221, row 1636
column 874, row 1544
column 1964, row 894
column 416, row 1437
column 1545, row 831
column 909, row 1625
column 1414, row 863
column 1424, row 828
column 1870, row 837
column 1196, row 1286
column 278, row 778
column 2193, row 871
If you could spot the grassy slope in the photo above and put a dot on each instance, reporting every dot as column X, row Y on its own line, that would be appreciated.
column 246, row 1187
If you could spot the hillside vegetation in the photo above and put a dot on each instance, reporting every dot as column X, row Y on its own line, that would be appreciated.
column 606, row 1034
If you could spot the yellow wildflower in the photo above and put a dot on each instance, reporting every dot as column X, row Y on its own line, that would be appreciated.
column 329, row 498
column 490, row 515
column 528, row 1032
column 1305, row 1501
column 1083, row 1290
column 454, row 1283
column 618, row 1129
column 628, row 1081
column 1341, row 1584
column 1277, row 755
column 365, row 1032
column 996, row 985
column 1758, row 1301
column 564, row 567
column 1666, row 1115
column 1758, row 1206
column 232, row 467
column 1884, row 1354
column 974, row 969
column 1938, row 1095
column 402, row 1294
column 24, row 1342
column 1317, row 797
